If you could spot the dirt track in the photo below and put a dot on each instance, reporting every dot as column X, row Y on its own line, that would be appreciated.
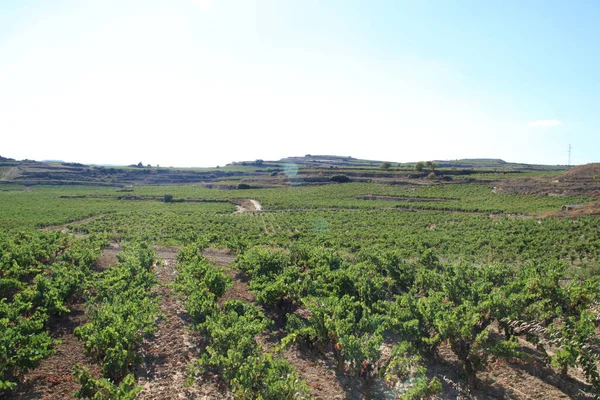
column 63, row 228
column 173, row 347
column 246, row 205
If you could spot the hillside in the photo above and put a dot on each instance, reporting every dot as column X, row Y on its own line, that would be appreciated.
column 583, row 172
column 298, row 171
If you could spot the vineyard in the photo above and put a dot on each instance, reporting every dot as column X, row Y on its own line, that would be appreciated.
column 358, row 290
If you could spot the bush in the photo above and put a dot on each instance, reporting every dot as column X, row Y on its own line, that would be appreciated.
column 102, row 388
column 243, row 186
column 340, row 179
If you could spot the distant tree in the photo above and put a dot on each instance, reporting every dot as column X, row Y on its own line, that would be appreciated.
column 339, row 178
column 259, row 162
column 385, row 165
column 419, row 166
column 168, row 198
column 243, row 186
column 140, row 165
column 431, row 165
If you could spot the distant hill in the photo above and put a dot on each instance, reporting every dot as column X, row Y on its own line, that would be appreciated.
column 498, row 165
column 309, row 170
column 583, row 172
column 329, row 160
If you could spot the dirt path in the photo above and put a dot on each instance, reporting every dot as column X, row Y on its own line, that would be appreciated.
column 173, row 347
column 108, row 256
column 63, row 228
column 246, row 205
column 256, row 204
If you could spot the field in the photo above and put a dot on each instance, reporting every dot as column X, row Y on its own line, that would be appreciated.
column 464, row 282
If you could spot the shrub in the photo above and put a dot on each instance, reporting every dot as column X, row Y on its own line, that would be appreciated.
column 340, row 179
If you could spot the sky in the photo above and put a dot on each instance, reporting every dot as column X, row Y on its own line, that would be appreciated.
column 209, row 82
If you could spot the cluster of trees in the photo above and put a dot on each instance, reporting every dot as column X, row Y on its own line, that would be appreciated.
column 141, row 165
column 421, row 165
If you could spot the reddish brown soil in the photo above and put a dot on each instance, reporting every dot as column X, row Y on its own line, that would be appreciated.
column 53, row 378
column 550, row 186
column 587, row 171
column 318, row 374
column 510, row 378
column 108, row 256
column 173, row 347
column 585, row 210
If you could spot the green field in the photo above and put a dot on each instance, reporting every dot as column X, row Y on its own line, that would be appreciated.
column 378, row 291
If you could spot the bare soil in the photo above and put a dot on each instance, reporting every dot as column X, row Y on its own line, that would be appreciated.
column 63, row 228
column 585, row 210
column 53, row 378
column 582, row 172
column 108, row 256
column 246, row 205
column 551, row 186
column 173, row 347
column 528, row 378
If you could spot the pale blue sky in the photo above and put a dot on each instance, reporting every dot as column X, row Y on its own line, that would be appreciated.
column 207, row 82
